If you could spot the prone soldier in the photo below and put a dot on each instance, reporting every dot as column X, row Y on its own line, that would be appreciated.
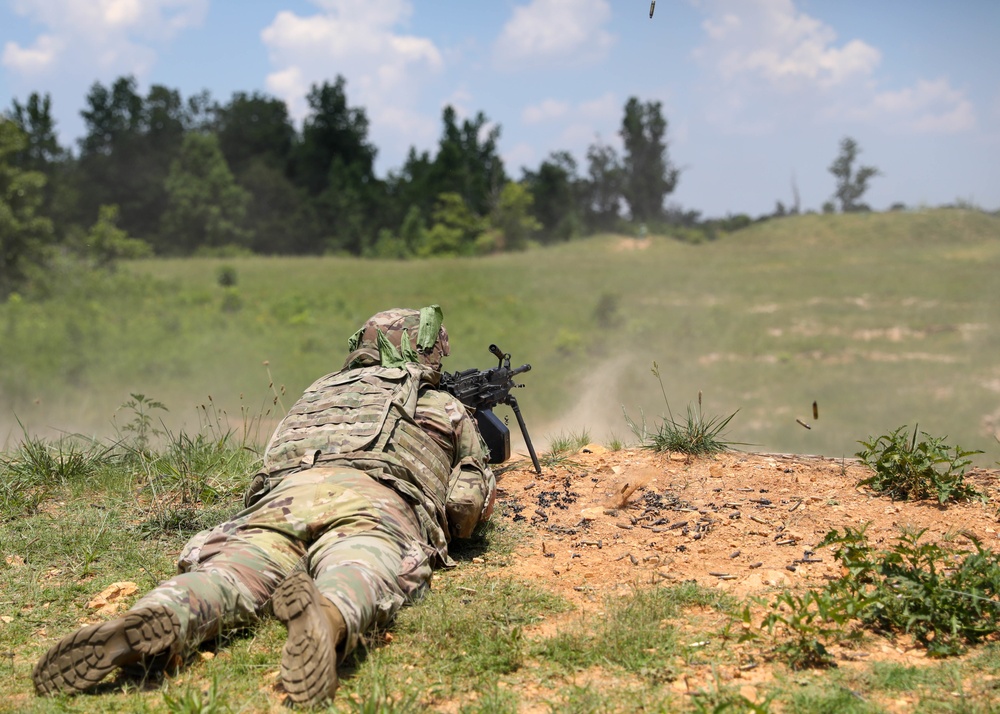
column 364, row 483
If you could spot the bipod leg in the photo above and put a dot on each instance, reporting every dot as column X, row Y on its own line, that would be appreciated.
column 524, row 432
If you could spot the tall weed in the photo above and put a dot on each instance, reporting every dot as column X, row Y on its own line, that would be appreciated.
column 696, row 435
column 903, row 468
column 945, row 597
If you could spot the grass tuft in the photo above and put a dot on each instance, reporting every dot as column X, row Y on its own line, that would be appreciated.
column 562, row 447
column 695, row 436
column 636, row 632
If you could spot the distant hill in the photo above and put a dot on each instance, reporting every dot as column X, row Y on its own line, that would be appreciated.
column 884, row 319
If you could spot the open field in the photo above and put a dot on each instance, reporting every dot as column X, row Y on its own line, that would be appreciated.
column 882, row 319
column 575, row 599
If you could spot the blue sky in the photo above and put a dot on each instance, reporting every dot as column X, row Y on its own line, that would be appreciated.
column 757, row 93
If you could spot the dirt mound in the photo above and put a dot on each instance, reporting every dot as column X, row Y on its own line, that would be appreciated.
column 741, row 522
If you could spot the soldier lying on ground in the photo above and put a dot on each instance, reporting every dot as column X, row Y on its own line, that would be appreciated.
column 364, row 483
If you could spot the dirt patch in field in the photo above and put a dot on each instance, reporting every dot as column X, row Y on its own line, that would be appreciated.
column 740, row 522
column 605, row 522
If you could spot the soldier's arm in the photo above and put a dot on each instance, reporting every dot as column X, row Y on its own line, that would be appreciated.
column 471, row 484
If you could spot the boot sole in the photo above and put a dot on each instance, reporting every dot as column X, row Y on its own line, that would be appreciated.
column 307, row 670
column 84, row 658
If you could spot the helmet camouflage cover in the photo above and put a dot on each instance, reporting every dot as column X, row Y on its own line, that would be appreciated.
column 401, row 335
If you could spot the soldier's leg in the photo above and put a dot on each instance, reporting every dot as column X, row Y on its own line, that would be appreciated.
column 372, row 559
column 367, row 561
column 229, row 585
column 232, row 571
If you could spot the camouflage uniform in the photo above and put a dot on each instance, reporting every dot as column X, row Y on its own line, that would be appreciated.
column 367, row 520
column 364, row 483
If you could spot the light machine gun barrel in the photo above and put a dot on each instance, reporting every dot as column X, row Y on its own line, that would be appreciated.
column 481, row 391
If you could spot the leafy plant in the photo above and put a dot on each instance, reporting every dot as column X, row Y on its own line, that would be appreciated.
column 141, row 429
column 813, row 620
column 945, row 597
column 696, row 435
column 905, row 468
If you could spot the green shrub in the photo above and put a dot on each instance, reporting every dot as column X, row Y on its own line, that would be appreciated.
column 812, row 621
column 944, row 597
column 907, row 469
column 226, row 276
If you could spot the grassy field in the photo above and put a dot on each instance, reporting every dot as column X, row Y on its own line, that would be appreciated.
column 74, row 519
column 882, row 319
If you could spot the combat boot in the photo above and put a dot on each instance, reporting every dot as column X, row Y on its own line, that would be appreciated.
column 82, row 659
column 315, row 630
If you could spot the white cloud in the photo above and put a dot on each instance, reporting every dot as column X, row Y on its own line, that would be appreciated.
column 607, row 107
column 359, row 40
column 97, row 37
column 519, row 156
column 579, row 135
column 577, row 125
column 772, row 63
column 35, row 59
column 930, row 107
column 544, row 111
column 772, row 41
column 561, row 31
column 602, row 109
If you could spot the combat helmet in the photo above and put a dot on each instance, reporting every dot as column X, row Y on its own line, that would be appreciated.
column 394, row 337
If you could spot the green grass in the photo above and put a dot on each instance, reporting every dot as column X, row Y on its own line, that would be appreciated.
column 480, row 641
column 883, row 319
column 634, row 633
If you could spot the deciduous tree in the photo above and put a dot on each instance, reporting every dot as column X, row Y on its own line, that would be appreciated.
column 105, row 244
column 511, row 218
column 332, row 131
column 206, row 208
column 254, row 128
column 44, row 153
column 604, row 187
column 851, row 183
column 468, row 161
column 127, row 153
column 648, row 174
column 25, row 234
column 555, row 191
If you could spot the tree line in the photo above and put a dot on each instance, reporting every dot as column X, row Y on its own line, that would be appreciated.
column 193, row 175
column 160, row 174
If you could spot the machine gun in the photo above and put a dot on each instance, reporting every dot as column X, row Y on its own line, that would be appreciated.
column 481, row 391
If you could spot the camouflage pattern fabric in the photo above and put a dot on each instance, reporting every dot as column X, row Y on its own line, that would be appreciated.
column 402, row 334
column 390, row 423
column 366, row 480
column 358, row 539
